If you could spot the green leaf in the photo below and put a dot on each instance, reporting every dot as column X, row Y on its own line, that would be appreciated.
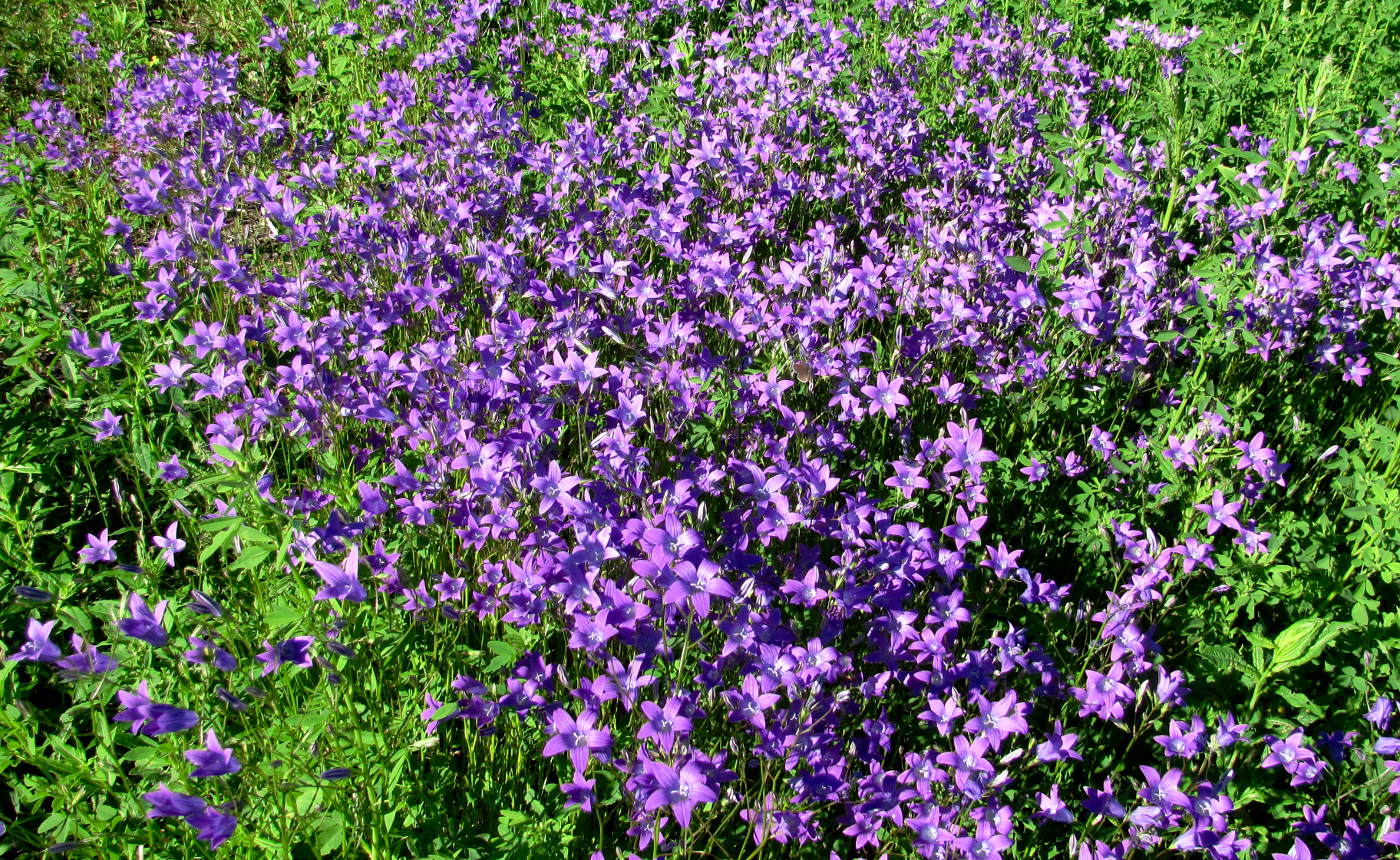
column 1302, row 642
column 251, row 557
column 505, row 655
column 330, row 834
column 1020, row 264
column 281, row 615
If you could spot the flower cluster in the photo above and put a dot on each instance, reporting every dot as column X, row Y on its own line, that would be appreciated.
column 713, row 399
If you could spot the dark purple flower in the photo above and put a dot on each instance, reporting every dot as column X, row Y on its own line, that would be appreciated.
column 108, row 426
column 342, row 581
column 102, row 355
column 1103, row 802
column 172, row 804
column 204, row 652
column 212, row 826
column 202, row 604
column 85, row 660
column 172, row 470
column 749, row 702
column 295, row 651
column 37, row 647
column 152, row 718
column 214, row 760
column 579, row 792
column 144, row 623
column 29, row 592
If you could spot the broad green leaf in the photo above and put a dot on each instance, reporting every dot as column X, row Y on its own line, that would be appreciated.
column 1302, row 642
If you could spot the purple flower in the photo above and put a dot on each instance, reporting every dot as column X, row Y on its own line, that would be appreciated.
column 1052, row 808
column 202, row 604
column 144, row 623
column 1181, row 741
column 203, row 652
column 577, row 737
column 1299, row 760
column 169, row 544
column 1103, row 802
column 102, row 355
column 172, row 470
column 1382, row 709
column 212, row 826
column 29, row 592
column 680, row 789
column 107, row 427
column 172, row 804
column 1058, row 745
column 151, row 718
column 965, row 451
column 307, row 68
column 968, row 759
column 1228, row 732
column 214, row 760
column 1036, row 471
column 579, row 792
column 748, row 703
column 1104, row 694
column 885, row 396
column 554, row 487
column 998, row 721
column 37, row 647
column 697, row 583
column 342, row 581
column 906, row 479
column 1220, row 513
column 85, row 660
column 663, row 723
column 1180, row 453
column 100, row 548
column 987, row 842
column 295, row 651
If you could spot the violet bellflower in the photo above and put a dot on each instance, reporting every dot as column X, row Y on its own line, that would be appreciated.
column 152, row 718
column 212, row 826
column 295, row 651
column 100, row 548
column 342, row 581
column 663, row 724
column 169, row 544
column 144, row 623
column 680, row 789
column 204, row 652
column 108, row 426
column 214, row 760
column 37, row 646
column 85, row 661
column 172, row 804
column 579, row 737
